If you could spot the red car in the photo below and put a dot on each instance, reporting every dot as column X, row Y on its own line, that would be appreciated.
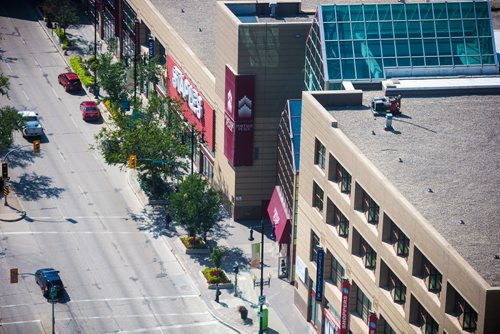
column 89, row 110
column 70, row 81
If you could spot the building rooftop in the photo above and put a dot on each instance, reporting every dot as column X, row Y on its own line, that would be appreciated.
column 452, row 146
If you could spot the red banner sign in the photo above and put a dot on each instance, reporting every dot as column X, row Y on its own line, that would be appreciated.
column 194, row 106
column 238, row 118
column 344, row 311
column 372, row 324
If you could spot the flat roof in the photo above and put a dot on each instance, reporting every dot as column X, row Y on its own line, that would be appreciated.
column 450, row 144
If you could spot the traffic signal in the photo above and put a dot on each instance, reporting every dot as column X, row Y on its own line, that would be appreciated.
column 132, row 161
column 14, row 275
column 36, row 146
column 5, row 170
column 236, row 269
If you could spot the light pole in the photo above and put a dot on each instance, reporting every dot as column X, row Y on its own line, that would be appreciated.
column 261, row 318
column 96, row 92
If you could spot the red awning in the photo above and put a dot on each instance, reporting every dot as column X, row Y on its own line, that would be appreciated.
column 279, row 217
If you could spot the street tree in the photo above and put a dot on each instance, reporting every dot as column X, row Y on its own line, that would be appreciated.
column 149, row 71
column 111, row 75
column 61, row 11
column 217, row 255
column 4, row 85
column 196, row 205
column 10, row 121
column 161, row 155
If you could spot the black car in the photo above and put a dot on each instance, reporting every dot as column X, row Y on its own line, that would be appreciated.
column 47, row 278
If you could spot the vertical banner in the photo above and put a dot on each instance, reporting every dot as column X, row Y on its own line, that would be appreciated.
column 282, row 267
column 151, row 47
column 320, row 259
column 372, row 325
column 238, row 118
column 344, row 310
column 137, row 38
column 255, row 260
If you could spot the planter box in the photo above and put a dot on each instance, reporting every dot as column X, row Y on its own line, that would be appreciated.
column 229, row 285
column 197, row 251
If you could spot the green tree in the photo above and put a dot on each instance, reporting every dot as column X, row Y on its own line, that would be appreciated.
column 62, row 11
column 217, row 255
column 111, row 75
column 148, row 71
column 196, row 205
column 161, row 155
column 4, row 85
column 10, row 121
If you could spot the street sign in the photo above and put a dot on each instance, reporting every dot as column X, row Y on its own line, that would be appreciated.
column 53, row 293
column 262, row 300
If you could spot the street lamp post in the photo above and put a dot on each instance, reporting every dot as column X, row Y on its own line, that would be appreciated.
column 261, row 318
column 96, row 93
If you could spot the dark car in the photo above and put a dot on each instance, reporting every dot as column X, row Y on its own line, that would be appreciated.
column 47, row 278
column 89, row 110
column 70, row 81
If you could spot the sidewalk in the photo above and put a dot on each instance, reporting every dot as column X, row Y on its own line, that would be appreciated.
column 283, row 316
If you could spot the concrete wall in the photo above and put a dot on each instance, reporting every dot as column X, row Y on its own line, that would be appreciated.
column 317, row 123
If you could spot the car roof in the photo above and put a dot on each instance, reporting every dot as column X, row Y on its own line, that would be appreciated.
column 89, row 104
column 71, row 75
column 27, row 113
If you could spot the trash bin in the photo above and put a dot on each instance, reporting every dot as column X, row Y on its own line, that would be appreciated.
column 265, row 317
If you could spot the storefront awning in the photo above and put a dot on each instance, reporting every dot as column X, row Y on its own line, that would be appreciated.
column 279, row 217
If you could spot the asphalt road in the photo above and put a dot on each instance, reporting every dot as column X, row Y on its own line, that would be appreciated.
column 83, row 219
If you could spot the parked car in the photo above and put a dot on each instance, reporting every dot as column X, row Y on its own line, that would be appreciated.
column 70, row 81
column 89, row 110
column 47, row 278
column 32, row 126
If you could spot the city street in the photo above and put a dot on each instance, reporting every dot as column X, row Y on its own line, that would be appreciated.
column 82, row 217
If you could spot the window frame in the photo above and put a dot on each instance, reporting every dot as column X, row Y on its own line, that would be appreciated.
column 363, row 305
column 318, row 195
column 341, row 223
column 337, row 271
column 400, row 241
column 319, row 154
column 370, row 208
column 314, row 247
column 397, row 288
column 467, row 316
column 427, row 323
column 432, row 276
column 369, row 255
column 343, row 179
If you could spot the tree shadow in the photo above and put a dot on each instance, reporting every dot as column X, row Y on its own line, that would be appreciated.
column 21, row 158
column 32, row 187
column 153, row 221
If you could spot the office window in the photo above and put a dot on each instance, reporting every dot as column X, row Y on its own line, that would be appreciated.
column 370, row 208
column 466, row 314
column 336, row 272
column 363, row 305
column 388, row 329
column 317, row 197
column 343, row 179
column 341, row 223
column 319, row 154
column 314, row 246
column 397, row 288
column 432, row 276
column 426, row 323
column 400, row 241
column 369, row 255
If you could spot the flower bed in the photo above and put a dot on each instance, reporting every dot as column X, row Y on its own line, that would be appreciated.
column 215, row 276
column 193, row 242
column 81, row 71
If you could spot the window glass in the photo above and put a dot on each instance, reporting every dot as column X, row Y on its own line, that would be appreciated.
column 384, row 12
column 470, row 27
column 416, row 48
column 467, row 10
column 404, row 62
column 398, row 12
column 328, row 13
column 472, row 46
column 474, row 60
column 456, row 28
column 417, row 61
column 372, row 31
column 426, row 12
column 484, row 28
column 458, row 45
column 386, row 30
column 388, row 48
column 414, row 29
column 402, row 48
column 334, row 69
column 345, row 31
column 318, row 197
column 428, row 29
column 390, row 62
column 481, row 9
column 440, row 11
column 346, row 50
column 374, row 47
column 332, row 49
column 400, row 30
column 376, row 69
column 356, row 13
column 348, row 71
column 442, row 29
column 430, row 47
column 454, row 10
column 431, row 61
column 445, row 61
column 358, row 30
column 444, row 46
column 488, row 59
column 330, row 31
column 370, row 12
column 486, row 46
column 412, row 11
column 343, row 13
column 359, row 49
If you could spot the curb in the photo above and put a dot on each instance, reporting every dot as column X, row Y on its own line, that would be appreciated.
column 22, row 215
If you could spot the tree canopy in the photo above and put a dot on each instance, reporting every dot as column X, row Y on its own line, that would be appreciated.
column 10, row 120
column 61, row 11
column 111, row 76
column 196, row 205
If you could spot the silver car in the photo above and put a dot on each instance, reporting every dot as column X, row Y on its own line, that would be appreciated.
column 32, row 126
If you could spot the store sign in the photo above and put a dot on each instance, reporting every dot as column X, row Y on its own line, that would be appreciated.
column 344, row 310
column 187, row 91
column 320, row 261
column 372, row 324
column 238, row 118
column 300, row 269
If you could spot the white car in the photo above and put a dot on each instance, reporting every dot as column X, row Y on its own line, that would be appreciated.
column 32, row 126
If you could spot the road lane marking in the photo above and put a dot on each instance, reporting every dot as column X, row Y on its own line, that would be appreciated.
column 62, row 156
column 10, row 68
column 55, row 93
column 70, row 232
column 83, row 192
column 132, row 298
column 61, row 218
column 19, row 322
column 135, row 316
column 161, row 328
column 13, row 305
column 26, row 95
column 72, row 120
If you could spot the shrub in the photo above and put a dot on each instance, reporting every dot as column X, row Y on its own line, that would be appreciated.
column 81, row 71
column 215, row 275
column 217, row 255
column 65, row 42
column 193, row 242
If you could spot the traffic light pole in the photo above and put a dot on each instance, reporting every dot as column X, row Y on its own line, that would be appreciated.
column 53, row 319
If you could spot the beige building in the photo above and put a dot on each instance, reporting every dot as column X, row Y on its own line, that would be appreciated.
column 406, row 216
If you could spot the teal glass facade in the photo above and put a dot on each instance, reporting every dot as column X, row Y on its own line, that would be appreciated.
column 371, row 42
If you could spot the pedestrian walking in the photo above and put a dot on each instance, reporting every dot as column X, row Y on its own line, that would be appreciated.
column 168, row 220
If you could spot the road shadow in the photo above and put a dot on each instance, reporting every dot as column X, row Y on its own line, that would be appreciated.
column 152, row 220
column 21, row 158
column 32, row 187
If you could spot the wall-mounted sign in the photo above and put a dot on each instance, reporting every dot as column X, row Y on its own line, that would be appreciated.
column 194, row 106
column 238, row 118
column 372, row 323
column 320, row 261
column 151, row 47
column 282, row 267
column 301, row 269
column 344, row 309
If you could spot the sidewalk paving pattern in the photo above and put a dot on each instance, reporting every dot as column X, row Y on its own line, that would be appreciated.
column 283, row 315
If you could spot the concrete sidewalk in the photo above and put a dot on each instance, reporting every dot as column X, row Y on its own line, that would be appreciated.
column 283, row 316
